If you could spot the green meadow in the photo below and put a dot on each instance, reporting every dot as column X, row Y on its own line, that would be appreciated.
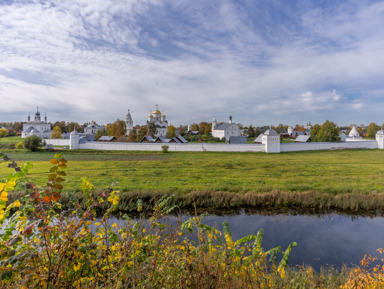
column 334, row 172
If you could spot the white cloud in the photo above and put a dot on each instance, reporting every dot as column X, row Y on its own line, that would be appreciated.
column 87, row 59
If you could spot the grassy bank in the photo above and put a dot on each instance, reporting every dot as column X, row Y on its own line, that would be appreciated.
column 323, row 180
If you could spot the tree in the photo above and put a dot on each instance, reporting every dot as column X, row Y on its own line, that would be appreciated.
column 208, row 129
column 194, row 127
column 33, row 143
column 142, row 132
column 202, row 126
column 71, row 126
column 171, row 132
column 372, row 129
column 118, row 128
column 99, row 133
column 61, row 125
column 327, row 132
column 132, row 135
column 299, row 127
column 152, row 131
column 251, row 131
column 3, row 132
column 56, row 132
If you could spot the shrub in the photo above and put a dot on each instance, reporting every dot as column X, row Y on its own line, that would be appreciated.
column 164, row 148
column 33, row 143
column 19, row 145
column 43, row 246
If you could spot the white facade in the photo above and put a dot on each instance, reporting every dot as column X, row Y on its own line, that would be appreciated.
column 160, row 122
column 92, row 128
column 37, row 127
column 226, row 129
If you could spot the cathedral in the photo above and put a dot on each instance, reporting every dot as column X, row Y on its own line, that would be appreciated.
column 159, row 120
column 37, row 127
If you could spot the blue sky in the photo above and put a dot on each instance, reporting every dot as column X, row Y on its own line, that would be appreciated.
column 265, row 62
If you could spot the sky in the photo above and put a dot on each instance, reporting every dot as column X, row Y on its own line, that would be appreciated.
column 263, row 62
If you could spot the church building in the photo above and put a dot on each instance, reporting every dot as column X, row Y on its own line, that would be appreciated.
column 226, row 129
column 159, row 120
column 129, row 122
column 37, row 127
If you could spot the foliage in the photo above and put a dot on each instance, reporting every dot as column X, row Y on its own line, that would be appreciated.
column 204, row 128
column 99, row 133
column 372, row 129
column 327, row 132
column 118, row 128
column 171, row 132
column 3, row 132
column 152, row 130
column 19, row 145
column 164, row 148
column 33, row 143
column 56, row 132
column 44, row 246
column 194, row 127
column 251, row 131
column 132, row 137
column 142, row 132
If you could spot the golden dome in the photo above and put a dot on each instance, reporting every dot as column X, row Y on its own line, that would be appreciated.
column 156, row 112
column 151, row 115
column 163, row 115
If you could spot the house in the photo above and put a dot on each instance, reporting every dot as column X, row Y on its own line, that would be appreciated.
column 225, row 130
column 303, row 138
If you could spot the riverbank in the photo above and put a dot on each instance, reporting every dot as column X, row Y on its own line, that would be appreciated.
column 343, row 181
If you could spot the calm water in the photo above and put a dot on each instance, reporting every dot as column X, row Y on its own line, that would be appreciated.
column 322, row 240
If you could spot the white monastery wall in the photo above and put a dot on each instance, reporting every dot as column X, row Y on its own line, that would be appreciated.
column 57, row 142
column 314, row 146
column 173, row 147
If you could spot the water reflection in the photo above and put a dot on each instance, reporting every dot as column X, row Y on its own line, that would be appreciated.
column 322, row 240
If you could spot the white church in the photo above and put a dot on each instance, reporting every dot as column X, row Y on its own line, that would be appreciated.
column 226, row 129
column 159, row 120
column 42, row 129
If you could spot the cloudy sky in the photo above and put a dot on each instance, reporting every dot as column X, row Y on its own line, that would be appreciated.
column 265, row 62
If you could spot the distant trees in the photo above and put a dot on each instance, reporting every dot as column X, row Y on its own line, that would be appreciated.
column 194, row 127
column 327, row 132
column 33, row 143
column 152, row 130
column 132, row 136
column 251, row 131
column 204, row 128
column 56, row 132
column 300, row 128
column 99, row 133
column 171, row 132
column 3, row 132
column 142, row 132
column 117, row 129
column 372, row 129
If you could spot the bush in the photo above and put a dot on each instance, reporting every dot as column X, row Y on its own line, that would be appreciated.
column 164, row 148
column 52, row 248
column 33, row 143
column 19, row 145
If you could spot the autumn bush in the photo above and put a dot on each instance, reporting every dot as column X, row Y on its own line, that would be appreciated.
column 43, row 246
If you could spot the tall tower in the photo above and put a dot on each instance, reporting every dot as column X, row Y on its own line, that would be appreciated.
column 214, row 123
column 45, row 118
column 129, row 122
column 37, row 116
column 230, row 119
column 29, row 117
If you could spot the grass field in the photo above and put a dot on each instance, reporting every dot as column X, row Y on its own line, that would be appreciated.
column 335, row 172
